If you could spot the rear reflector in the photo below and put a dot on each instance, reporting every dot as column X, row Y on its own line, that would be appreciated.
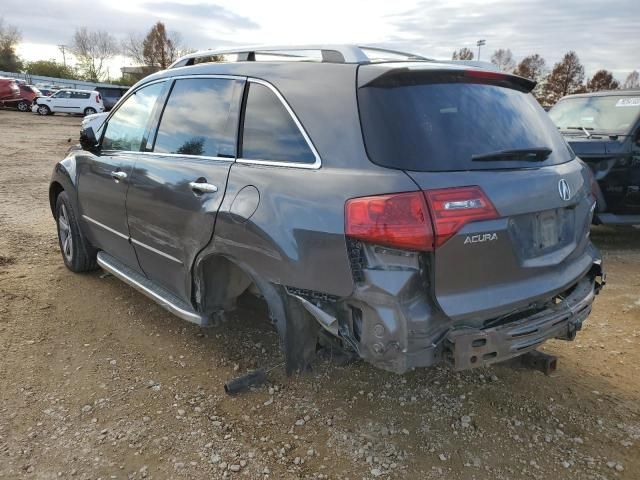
column 403, row 220
column 453, row 208
column 399, row 220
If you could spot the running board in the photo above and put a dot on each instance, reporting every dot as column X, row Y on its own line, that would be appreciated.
column 156, row 293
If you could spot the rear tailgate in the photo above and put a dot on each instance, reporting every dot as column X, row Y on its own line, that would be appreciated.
column 521, row 234
column 538, row 246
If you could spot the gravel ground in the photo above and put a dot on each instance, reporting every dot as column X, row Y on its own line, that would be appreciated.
column 96, row 381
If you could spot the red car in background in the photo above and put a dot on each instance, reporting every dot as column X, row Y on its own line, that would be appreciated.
column 17, row 95
column 9, row 92
column 28, row 93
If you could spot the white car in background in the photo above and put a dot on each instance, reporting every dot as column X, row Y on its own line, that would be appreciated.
column 85, row 102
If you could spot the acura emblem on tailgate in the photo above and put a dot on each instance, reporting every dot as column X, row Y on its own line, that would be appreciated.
column 564, row 190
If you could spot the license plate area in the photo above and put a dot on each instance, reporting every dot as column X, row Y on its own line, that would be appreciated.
column 547, row 230
column 539, row 233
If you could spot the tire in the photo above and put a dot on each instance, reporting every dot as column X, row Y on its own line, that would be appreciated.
column 77, row 253
column 44, row 110
column 89, row 111
column 23, row 106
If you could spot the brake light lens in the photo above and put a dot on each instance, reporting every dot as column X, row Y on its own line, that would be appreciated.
column 98, row 98
column 453, row 208
column 398, row 220
column 419, row 221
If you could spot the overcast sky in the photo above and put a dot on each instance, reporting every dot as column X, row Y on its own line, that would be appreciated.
column 604, row 34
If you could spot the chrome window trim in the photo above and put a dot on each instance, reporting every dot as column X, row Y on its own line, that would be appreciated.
column 195, row 157
column 312, row 166
column 109, row 229
column 155, row 250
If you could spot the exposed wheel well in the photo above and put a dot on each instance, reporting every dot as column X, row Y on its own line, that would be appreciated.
column 55, row 189
column 219, row 283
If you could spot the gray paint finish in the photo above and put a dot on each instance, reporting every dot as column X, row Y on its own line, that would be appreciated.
column 280, row 231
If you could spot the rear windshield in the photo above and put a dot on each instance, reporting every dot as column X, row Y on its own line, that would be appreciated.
column 607, row 114
column 425, row 125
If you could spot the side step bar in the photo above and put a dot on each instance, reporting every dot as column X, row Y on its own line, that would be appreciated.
column 156, row 293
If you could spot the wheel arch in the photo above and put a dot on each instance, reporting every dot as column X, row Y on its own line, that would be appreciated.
column 219, row 280
column 63, row 179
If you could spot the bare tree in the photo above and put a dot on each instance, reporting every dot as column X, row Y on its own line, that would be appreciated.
column 93, row 49
column 566, row 77
column 9, row 38
column 503, row 59
column 462, row 54
column 157, row 50
column 602, row 80
column 632, row 80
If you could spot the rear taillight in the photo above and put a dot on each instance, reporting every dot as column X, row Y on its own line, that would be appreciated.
column 398, row 220
column 98, row 98
column 453, row 208
column 404, row 220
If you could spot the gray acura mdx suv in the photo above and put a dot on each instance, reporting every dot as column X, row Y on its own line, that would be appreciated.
column 404, row 211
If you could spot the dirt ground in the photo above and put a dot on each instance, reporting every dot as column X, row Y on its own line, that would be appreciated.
column 96, row 381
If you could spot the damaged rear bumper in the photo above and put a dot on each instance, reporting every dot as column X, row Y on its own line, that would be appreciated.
column 399, row 330
column 468, row 348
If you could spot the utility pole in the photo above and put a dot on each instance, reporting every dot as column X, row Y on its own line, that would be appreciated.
column 64, row 56
column 479, row 44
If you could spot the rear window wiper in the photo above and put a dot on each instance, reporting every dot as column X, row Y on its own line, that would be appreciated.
column 527, row 154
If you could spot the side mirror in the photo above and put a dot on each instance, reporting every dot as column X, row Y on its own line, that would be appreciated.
column 88, row 139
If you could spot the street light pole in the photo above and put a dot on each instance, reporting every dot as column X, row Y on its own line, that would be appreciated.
column 479, row 44
column 64, row 57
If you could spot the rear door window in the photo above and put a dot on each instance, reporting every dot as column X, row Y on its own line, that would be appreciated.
column 269, row 131
column 127, row 126
column 80, row 95
column 426, row 122
column 196, row 119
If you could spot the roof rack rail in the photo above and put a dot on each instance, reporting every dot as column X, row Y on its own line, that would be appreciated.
column 328, row 53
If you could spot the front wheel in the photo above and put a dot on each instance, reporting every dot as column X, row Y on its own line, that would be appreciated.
column 89, row 111
column 43, row 110
column 77, row 253
column 23, row 106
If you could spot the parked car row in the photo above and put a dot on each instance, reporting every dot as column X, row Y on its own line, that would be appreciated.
column 17, row 94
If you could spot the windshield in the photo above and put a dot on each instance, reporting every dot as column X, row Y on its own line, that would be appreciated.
column 457, row 126
column 611, row 114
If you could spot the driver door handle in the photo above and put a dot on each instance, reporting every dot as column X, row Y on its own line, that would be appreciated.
column 203, row 187
column 118, row 175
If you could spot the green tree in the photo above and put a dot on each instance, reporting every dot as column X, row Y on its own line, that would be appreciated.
column 9, row 38
column 49, row 68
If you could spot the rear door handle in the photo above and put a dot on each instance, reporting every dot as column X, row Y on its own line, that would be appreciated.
column 117, row 176
column 203, row 187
